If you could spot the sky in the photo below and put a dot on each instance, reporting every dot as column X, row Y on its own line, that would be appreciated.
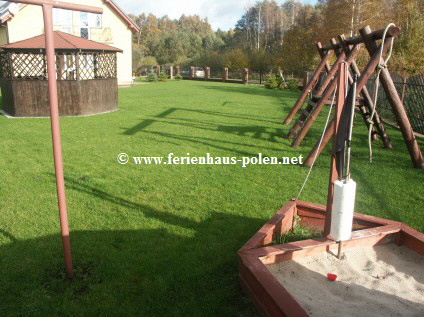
column 222, row 14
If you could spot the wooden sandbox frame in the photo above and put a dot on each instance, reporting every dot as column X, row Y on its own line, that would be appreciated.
column 269, row 296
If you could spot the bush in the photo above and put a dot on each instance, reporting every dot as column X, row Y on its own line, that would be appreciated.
column 163, row 76
column 152, row 77
column 292, row 84
column 178, row 77
column 271, row 82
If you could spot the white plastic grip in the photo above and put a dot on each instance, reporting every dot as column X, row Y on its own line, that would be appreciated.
column 343, row 207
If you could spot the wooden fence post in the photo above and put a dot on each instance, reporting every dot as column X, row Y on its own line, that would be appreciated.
column 158, row 70
column 403, row 89
column 225, row 74
column 191, row 72
column 171, row 72
column 207, row 73
column 245, row 78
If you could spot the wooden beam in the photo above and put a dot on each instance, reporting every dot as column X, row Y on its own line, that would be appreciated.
column 394, row 100
column 324, row 61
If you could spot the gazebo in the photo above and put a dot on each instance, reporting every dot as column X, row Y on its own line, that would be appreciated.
column 86, row 73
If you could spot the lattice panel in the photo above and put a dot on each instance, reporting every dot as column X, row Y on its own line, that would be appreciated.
column 29, row 66
column 4, row 66
column 86, row 66
column 106, row 65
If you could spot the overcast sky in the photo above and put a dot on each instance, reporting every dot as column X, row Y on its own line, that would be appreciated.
column 222, row 14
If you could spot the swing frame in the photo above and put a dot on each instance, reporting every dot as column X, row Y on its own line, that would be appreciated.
column 346, row 50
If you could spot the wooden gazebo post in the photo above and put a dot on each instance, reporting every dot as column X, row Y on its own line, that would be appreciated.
column 48, row 6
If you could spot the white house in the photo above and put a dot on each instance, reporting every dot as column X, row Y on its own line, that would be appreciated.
column 113, row 27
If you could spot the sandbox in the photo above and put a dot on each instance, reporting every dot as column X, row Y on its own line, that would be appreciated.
column 381, row 272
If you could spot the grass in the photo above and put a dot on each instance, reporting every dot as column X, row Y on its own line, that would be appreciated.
column 161, row 240
column 297, row 233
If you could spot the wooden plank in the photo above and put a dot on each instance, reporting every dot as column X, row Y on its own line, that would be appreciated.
column 412, row 239
column 75, row 97
column 282, row 220
column 283, row 252
column 270, row 296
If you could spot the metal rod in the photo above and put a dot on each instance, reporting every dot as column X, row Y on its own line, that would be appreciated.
column 339, row 250
column 349, row 140
column 57, row 148
column 62, row 5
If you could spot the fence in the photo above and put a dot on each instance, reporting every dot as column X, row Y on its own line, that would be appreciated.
column 411, row 92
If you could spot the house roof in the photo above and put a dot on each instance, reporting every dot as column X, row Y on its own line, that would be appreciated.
column 5, row 15
column 62, row 41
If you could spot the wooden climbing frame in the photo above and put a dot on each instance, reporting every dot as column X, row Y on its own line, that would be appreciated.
column 346, row 50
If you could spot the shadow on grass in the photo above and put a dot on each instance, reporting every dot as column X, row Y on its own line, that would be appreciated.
column 160, row 271
column 210, row 142
column 252, row 90
column 258, row 132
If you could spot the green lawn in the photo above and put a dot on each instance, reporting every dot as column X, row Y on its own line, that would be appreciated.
column 161, row 240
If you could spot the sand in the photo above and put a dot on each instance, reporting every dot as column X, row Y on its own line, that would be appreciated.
column 384, row 281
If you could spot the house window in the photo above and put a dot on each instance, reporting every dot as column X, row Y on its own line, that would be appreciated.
column 84, row 33
column 62, row 20
column 84, row 25
column 95, row 20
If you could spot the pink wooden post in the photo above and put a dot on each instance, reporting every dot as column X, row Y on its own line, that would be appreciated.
column 191, row 72
column 48, row 6
column 207, row 73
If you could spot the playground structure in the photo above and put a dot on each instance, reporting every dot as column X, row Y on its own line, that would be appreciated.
column 346, row 50
column 271, row 296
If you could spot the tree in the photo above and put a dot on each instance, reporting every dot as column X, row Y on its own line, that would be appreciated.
column 235, row 59
column 408, row 57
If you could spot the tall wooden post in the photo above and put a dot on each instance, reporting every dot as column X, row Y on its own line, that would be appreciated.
column 57, row 147
column 191, row 72
column 341, row 84
column 47, row 6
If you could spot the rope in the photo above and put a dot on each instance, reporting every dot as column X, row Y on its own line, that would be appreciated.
column 380, row 67
column 319, row 145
